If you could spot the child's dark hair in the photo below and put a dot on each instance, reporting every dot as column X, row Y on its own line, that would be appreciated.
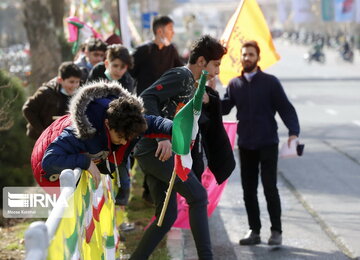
column 95, row 44
column 118, row 51
column 68, row 69
column 253, row 44
column 208, row 47
column 160, row 21
column 126, row 116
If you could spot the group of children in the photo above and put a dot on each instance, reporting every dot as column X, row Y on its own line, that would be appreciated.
column 51, row 100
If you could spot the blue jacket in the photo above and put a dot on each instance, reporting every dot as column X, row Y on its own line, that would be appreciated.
column 257, row 102
column 87, row 138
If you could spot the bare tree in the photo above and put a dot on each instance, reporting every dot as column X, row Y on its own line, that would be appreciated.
column 40, row 24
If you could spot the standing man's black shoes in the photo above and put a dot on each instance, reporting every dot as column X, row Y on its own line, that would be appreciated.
column 275, row 238
column 251, row 238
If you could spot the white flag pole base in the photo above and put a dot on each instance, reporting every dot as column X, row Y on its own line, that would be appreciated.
column 166, row 202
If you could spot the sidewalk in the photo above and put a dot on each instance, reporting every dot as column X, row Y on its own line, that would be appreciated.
column 175, row 243
column 303, row 236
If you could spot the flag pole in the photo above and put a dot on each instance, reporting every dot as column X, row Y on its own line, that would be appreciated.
column 166, row 202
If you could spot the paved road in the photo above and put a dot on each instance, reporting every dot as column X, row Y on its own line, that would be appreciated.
column 320, row 191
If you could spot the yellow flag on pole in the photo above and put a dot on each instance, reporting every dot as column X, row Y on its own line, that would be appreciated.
column 247, row 23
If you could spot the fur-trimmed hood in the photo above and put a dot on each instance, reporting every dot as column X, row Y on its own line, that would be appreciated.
column 93, row 99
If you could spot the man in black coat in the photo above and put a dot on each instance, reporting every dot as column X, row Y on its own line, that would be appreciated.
column 257, row 97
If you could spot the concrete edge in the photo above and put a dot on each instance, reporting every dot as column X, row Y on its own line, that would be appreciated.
column 338, row 241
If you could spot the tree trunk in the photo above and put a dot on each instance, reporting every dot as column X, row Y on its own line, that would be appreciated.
column 57, row 9
column 44, row 42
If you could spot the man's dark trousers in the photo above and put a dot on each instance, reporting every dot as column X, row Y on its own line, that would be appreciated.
column 158, row 176
column 264, row 159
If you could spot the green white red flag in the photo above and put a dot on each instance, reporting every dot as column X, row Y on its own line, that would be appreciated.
column 185, row 129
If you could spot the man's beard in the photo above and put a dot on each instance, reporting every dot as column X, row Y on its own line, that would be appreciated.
column 250, row 67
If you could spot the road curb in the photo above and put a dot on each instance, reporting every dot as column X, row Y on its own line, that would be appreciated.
column 324, row 226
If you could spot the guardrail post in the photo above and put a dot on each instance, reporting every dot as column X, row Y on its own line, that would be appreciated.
column 67, row 179
column 36, row 241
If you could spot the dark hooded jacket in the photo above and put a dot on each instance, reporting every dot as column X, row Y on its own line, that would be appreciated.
column 87, row 138
column 41, row 108
column 171, row 92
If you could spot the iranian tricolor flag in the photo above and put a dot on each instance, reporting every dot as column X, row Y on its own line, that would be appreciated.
column 185, row 129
